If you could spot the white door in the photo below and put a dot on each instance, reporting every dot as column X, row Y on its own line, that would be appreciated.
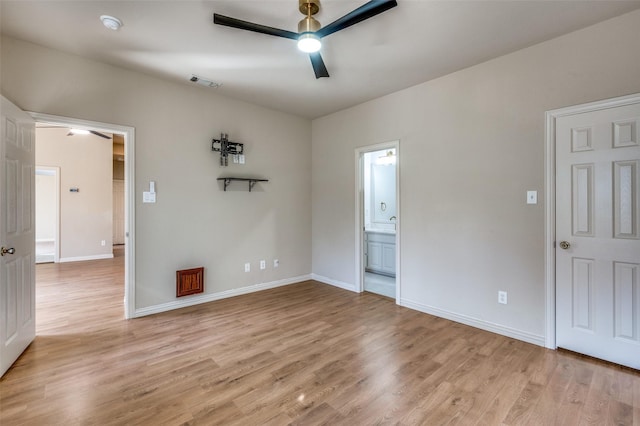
column 17, row 233
column 598, row 234
column 118, row 212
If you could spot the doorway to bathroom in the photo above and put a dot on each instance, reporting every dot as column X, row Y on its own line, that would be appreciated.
column 378, row 219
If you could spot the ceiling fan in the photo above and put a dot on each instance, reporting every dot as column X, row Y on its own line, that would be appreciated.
column 74, row 131
column 86, row 132
column 309, row 29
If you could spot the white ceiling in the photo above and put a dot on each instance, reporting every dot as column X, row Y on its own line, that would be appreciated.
column 417, row 41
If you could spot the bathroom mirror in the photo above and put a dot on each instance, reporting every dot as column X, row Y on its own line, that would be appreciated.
column 383, row 188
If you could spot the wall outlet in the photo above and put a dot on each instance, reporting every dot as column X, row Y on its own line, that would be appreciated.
column 502, row 297
column 103, row 243
column 263, row 264
column 247, row 267
column 276, row 263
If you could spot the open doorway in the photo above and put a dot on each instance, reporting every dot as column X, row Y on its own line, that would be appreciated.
column 85, row 230
column 119, row 233
column 378, row 219
column 47, row 214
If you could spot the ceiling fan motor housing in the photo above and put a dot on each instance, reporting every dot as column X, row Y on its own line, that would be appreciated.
column 309, row 24
column 309, row 7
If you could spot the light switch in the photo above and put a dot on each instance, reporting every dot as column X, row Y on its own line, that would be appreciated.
column 148, row 197
column 532, row 197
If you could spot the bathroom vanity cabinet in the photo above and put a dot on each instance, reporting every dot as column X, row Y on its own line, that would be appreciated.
column 380, row 252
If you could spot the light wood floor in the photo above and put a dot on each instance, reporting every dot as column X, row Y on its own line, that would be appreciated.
column 302, row 354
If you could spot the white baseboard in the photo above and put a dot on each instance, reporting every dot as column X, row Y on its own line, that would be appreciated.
column 46, row 240
column 477, row 323
column 205, row 298
column 83, row 258
column 335, row 283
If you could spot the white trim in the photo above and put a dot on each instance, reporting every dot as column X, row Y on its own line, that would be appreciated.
column 205, row 298
column 129, row 193
column 525, row 336
column 83, row 258
column 550, row 198
column 335, row 283
column 359, row 200
column 550, row 231
column 56, row 238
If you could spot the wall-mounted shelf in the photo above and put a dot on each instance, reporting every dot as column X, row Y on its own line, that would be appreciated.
column 252, row 181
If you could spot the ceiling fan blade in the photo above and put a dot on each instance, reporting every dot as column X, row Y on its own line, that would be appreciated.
column 250, row 26
column 318, row 65
column 102, row 135
column 366, row 11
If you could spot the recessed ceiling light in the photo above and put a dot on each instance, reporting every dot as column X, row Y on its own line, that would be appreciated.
column 111, row 22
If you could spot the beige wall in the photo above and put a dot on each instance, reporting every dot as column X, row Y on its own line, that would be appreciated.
column 85, row 162
column 194, row 223
column 472, row 144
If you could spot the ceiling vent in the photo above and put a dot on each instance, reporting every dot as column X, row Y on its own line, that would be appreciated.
column 204, row 82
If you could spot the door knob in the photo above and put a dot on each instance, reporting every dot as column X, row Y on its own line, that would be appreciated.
column 564, row 245
column 5, row 250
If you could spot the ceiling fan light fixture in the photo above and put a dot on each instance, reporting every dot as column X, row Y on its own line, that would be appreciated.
column 309, row 43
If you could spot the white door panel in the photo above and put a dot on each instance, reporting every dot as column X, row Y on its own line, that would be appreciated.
column 375, row 256
column 389, row 258
column 598, row 215
column 17, row 236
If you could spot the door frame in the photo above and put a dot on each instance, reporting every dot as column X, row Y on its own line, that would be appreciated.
column 359, row 199
column 129, row 191
column 550, row 200
column 56, row 246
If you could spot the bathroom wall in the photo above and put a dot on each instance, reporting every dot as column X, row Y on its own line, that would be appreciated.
column 379, row 187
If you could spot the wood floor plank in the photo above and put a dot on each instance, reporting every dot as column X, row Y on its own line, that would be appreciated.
column 303, row 354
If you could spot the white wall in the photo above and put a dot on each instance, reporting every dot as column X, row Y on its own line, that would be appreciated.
column 45, row 207
column 85, row 162
column 194, row 223
column 472, row 144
